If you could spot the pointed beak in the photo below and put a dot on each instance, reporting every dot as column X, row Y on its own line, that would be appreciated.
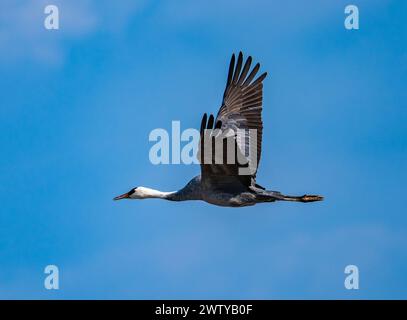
column 123, row 196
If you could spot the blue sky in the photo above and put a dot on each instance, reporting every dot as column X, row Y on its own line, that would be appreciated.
column 78, row 104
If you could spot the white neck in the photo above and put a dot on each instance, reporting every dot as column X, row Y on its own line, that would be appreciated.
column 145, row 193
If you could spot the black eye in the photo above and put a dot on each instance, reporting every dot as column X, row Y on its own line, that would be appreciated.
column 131, row 191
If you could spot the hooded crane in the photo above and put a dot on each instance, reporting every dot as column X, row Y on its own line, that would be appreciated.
column 224, row 183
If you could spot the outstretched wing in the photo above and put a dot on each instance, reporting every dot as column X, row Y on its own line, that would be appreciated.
column 240, row 112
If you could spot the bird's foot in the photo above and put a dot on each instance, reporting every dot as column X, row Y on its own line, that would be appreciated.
column 311, row 198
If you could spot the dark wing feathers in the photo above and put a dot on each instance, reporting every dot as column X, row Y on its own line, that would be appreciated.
column 203, row 123
column 210, row 122
column 238, row 67
column 241, row 109
column 246, row 69
column 252, row 75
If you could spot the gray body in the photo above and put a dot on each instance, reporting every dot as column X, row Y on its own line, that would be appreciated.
column 203, row 189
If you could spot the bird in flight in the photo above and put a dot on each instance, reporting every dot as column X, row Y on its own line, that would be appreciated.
column 228, row 168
